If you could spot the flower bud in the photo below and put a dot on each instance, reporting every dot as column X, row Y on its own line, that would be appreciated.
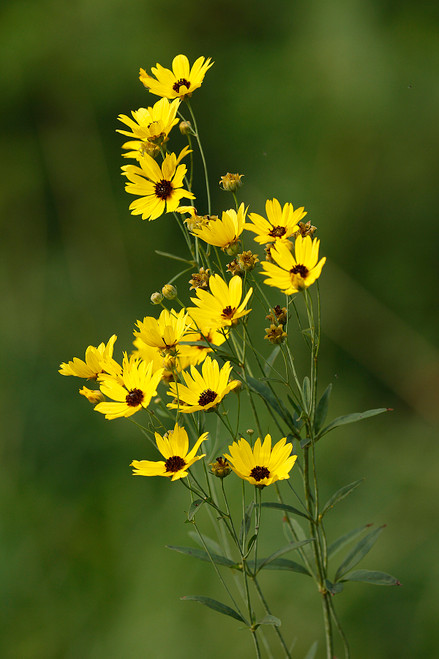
column 169, row 292
column 92, row 395
column 185, row 128
column 231, row 182
column 220, row 468
column 231, row 249
column 156, row 298
column 250, row 431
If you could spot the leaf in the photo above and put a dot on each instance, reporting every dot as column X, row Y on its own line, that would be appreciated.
column 275, row 403
column 372, row 576
column 216, row 606
column 293, row 545
column 174, row 257
column 271, row 359
column 269, row 620
column 284, row 507
column 343, row 540
column 359, row 551
column 351, row 418
column 282, row 564
column 204, row 556
column 251, row 542
column 333, row 588
column 306, row 394
column 312, row 651
column 341, row 494
column 304, row 442
column 300, row 535
column 211, row 544
column 245, row 524
column 194, row 508
column 322, row 409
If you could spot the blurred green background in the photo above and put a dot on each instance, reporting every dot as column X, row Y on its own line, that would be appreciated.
column 330, row 105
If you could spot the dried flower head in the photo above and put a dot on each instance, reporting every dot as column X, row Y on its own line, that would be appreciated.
column 278, row 315
column 275, row 334
column 305, row 229
column 200, row 279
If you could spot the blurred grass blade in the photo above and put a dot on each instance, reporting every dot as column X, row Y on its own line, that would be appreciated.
column 359, row 551
column 345, row 539
column 283, row 506
column 204, row 556
column 312, row 651
column 350, row 418
column 322, row 409
column 216, row 606
column 372, row 576
column 341, row 494
column 271, row 359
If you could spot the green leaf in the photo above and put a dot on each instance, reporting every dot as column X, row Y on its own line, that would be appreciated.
column 345, row 539
column 300, row 535
column 341, row 494
column 275, row 403
column 211, row 544
column 251, row 542
column 333, row 588
column 304, row 442
column 282, row 564
column 204, row 556
column 245, row 524
column 359, row 551
column 174, row 257
column 322, row 409
column 269, row 620
column 306, row 394
column 350, row 418
column 284, row 507
column 312, row 651
column 216, row 606
column 271, row 359
column 372, row 576
column 293, row 545
column 195, row 507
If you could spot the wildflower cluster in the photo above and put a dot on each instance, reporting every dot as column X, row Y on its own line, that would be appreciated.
column 188, row 359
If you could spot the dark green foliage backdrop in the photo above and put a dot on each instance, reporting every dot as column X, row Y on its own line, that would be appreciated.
column 329, row 105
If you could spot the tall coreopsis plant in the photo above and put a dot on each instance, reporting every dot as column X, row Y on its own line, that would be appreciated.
column 190, row 361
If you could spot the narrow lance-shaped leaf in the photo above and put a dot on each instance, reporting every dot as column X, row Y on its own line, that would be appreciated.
column 175, row 258
column 373, row 577
column 341, row 494
column 269, row 620
column 345, row 539
column 245, row 524
column 271, row 359
column 322, row 409
column 211, row 544
column 194, row 508
column 359, row 551
column 284, row 550
column 284, row 507
column 306, row 394
column 312, row 651
column 216, row 606
column 205, row 556
column 282, row 564
column 351, row 418
column 275, row 403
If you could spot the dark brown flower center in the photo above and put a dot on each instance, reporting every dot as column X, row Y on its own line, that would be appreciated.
column 259, row 473
column 207, row 396
column 277, row 232
column 134, row 397
column 163, row 189
column 301, row 270
column 180, row 83
column 175, row 463
column 228, row 312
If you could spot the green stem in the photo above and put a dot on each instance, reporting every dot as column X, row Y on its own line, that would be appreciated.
column 206, row 176
column 268, row 612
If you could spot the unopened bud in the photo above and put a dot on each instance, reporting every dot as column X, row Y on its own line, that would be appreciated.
column 169, row 292
column 231, row 182
column 231, row 249
column 92, row 395
column 220, row 468
column 250, row 431
column 185, row 128
column 156, row 298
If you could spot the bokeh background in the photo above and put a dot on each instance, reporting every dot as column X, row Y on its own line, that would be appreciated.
column 331, row 105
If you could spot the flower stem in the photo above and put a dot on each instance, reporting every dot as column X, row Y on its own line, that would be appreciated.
column 206, row 176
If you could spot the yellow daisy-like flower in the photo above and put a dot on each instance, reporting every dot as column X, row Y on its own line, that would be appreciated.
column 202, row 391
column 97, row 360
column 261, row 465
column 221, row 307
column 139, row 385
column 223, row 232
column 204, row 336
column 174, row 446
column 150, row 127
column 159, row 188
column 281, row 223
column 182, row 81
column 165, row 332
column 293, row 274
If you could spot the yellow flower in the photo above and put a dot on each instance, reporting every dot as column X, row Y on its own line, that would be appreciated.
column 92, row 395
column 174, row 446
column 225, row 232
column 204, row 390
column 280, row 225
column 178, row 83
column 150, row 127
column 165, row 332
column 221, row 307
column 204, row 336
column 261, row 465
column 159, row 189
column 293, row 274
column 97, row 360
column 139, row 385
